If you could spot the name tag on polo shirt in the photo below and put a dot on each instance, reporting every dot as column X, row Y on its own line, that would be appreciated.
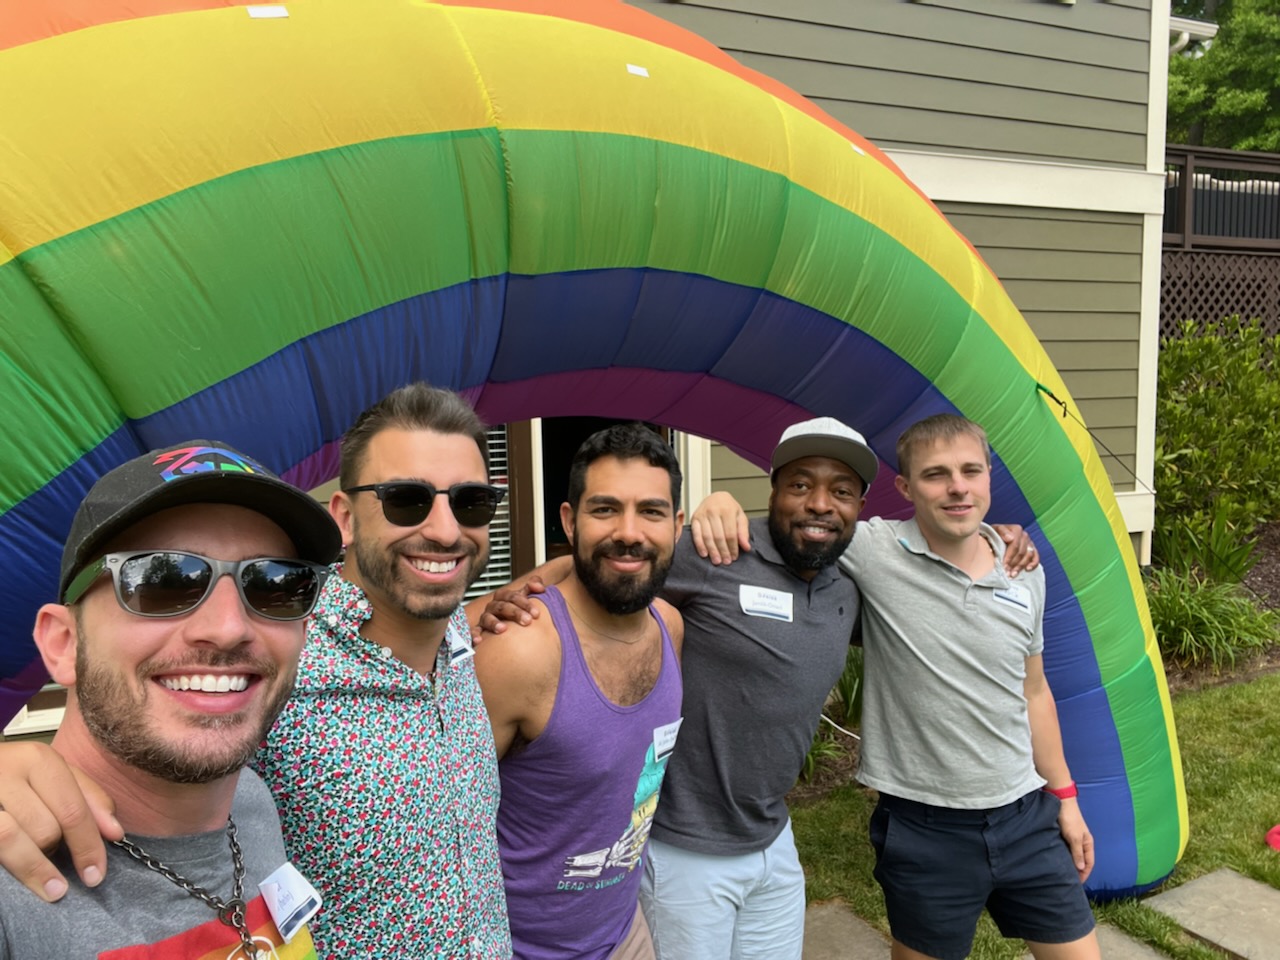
column 763, row 602
column 1015, row 595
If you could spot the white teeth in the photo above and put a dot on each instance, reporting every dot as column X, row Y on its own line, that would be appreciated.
column 434, row 566
column 207, row 683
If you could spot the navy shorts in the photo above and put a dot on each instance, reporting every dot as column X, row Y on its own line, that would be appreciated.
column 940, row 866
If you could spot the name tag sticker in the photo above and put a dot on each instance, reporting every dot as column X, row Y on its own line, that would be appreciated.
column 1015, row 595
column 290, row 899
column 763, row 602
column 664, row 739
column 460, row 647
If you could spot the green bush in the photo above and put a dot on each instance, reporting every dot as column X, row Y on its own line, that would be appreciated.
column 844, row 706
column 823, row 748
column 1215, row 445
column 1206, row 544
column 1202, row 623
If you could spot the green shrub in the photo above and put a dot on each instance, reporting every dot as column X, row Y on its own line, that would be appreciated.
column 1202, row 623
column 844, row 706
column 823, row 748
column 1207, row 544
column 1215, row 444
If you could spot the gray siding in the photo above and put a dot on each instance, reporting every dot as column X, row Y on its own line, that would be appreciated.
column 1038, row 80
column 747, row 482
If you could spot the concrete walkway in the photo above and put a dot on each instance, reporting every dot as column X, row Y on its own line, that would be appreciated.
column 1238, row 916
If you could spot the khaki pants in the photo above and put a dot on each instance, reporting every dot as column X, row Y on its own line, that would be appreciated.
column 637, row 945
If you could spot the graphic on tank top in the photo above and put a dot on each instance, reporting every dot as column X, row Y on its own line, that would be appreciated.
column 624, row 855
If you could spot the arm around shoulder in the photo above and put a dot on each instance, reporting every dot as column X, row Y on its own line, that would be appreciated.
column 492, row 612
column 44, row 802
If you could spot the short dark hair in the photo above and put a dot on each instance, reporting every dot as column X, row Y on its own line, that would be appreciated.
column 941, row 426
column 415, row 406
column 625, row 441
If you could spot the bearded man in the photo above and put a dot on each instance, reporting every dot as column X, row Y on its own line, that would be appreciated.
column 585, row 706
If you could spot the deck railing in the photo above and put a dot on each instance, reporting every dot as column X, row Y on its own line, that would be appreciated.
column 1221, row 199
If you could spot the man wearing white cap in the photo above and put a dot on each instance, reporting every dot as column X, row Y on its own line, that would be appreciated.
column 766, row 640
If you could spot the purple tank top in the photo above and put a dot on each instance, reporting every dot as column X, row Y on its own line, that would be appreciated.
column 577, row 804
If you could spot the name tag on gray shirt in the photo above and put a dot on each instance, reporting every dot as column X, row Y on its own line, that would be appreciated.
column 763, row 602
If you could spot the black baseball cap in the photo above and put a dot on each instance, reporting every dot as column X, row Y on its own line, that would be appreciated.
column 195, row 471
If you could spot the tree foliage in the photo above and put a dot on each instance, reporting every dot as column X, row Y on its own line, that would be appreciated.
column 1230, row 96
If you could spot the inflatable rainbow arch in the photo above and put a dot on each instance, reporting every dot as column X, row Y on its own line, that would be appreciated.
column 250, row 222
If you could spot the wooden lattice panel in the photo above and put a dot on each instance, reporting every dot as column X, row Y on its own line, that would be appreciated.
column 1208, row 286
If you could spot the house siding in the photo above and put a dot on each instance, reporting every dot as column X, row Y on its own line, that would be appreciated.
column 1011, row 78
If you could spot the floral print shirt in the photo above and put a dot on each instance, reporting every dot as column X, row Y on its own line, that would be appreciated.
column 387, row 787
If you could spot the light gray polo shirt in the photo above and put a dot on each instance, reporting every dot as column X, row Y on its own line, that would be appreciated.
column 762, row 649
column 944, row 714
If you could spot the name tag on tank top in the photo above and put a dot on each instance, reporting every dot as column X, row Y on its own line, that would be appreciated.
column 763, row 602
column 664, row 739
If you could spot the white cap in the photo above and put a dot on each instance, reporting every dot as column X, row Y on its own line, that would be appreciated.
column 827, row 437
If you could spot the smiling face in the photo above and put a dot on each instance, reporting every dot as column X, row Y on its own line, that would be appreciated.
column 623, row 532
column 949, row 484
column 424, row 570
column 186, row 699
column 813, row 509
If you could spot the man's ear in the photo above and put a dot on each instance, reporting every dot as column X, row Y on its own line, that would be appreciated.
column 566, row 520
column 340, row 509
column 56, row 635
column 679, row 525
column 900, row 482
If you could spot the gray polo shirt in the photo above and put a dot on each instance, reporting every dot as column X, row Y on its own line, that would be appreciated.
column 762, row 650
column 944, row 713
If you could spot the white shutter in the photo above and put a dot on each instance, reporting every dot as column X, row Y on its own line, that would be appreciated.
column 498, row 573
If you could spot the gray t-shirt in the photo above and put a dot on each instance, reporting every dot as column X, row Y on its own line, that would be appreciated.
column 944, row 713
column 136, row 906
column 762, row 650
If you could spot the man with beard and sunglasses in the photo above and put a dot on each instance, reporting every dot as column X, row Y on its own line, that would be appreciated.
column 585, row 706
column 382, row 763
column 185, row 580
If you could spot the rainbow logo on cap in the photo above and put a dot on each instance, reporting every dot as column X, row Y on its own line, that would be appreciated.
column 186, row 461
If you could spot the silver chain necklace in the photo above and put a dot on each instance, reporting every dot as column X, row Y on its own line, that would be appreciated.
column 230, row 912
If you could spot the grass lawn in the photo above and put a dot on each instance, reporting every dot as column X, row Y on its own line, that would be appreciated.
column 1230, row 742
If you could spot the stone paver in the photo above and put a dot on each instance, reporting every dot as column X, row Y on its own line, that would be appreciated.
column 833, row 932
column 1231, row 912
column 1115, row 945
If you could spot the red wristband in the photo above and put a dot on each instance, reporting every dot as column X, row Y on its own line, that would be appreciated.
column 1063, row 793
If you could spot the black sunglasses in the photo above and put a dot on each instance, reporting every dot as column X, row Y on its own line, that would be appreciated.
column 169, row 583
column 406, row 503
